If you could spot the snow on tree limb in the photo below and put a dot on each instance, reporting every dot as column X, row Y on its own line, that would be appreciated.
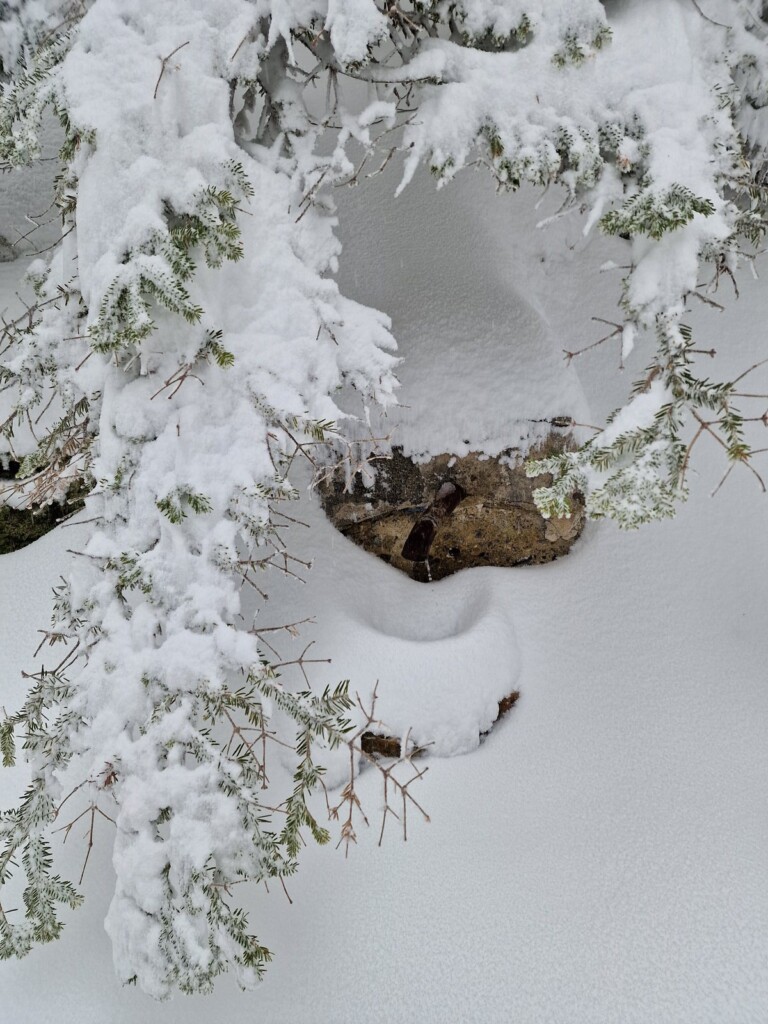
column 192, row 379
column 193, row 335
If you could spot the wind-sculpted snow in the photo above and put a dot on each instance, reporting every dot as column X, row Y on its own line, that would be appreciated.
column 430, row 663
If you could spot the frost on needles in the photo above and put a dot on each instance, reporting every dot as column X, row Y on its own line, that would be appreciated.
column 187, row 339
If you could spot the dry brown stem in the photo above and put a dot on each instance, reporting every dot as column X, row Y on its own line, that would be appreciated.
column 164, row 65
column 395, row 787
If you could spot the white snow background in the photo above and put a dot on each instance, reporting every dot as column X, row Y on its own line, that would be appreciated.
column 603, row 856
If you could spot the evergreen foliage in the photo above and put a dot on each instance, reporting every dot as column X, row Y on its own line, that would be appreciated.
column 191, row 336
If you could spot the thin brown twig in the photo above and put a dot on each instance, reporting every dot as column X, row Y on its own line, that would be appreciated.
column 290, row 627
column 390, row 781
column 707, row 18
column 164, row 65
column 285, row 890
column 725, row 477
column 755, row 366
column 240, row 44
column 617, row 331
column 744, row 461
column 53, row 244
column 707, row 301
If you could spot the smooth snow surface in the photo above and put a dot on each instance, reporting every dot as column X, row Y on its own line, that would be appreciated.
column 458, row 274
column 601, row 858
column 27, row 220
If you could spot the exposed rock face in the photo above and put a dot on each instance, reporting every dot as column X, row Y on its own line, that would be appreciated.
column 494, row 522
column 7, row 253
column 19, row 527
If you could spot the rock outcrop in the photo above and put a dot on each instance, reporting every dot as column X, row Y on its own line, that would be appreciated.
column 459, row 512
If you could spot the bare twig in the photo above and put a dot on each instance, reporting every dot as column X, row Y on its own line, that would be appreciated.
column 618, row 330
column 176, row 380
column 707, row 301
column 744, row 461
column 392, row 784
column 164, row 65
column 707, row 18
column 725, row 477
column 749, row 370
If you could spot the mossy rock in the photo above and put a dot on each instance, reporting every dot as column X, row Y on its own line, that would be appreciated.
column 495, row 523
column 20, row 527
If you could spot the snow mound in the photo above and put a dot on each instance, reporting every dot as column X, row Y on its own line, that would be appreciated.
column 482, row 367
column 438, row 658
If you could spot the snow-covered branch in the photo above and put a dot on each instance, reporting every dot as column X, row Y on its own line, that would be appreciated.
column 191, row 336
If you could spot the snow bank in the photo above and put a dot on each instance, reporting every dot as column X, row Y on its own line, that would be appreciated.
column 601, row 856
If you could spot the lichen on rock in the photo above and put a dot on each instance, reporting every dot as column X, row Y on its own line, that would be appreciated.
column 495, row 522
